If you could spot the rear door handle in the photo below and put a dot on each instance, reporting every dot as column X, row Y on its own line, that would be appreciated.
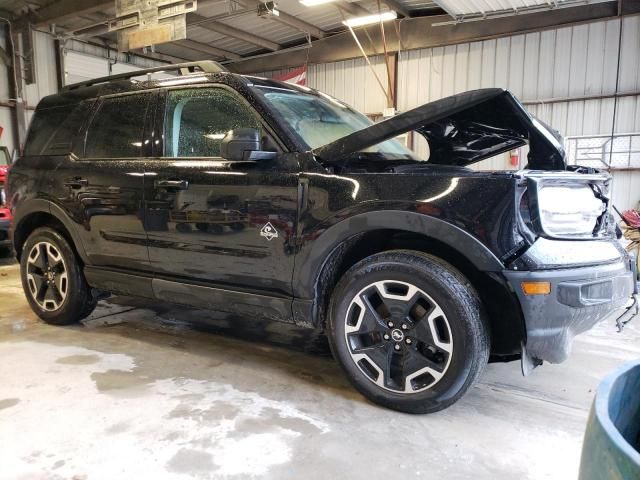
column 76, row 182
column 172, row 184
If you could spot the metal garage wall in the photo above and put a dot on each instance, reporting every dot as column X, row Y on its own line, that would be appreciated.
column 83, row 61
column 559, row 63
column 350, row 81
column 5, row 111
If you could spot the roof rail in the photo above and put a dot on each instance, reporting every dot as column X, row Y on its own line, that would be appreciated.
column 204, row 66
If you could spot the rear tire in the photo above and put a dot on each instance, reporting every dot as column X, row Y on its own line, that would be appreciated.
column 53, row 280
column 409, row 331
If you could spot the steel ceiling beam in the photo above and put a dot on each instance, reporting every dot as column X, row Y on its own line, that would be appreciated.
column 427, row 32
column 66, row 9
column 397, row 7
column 291, row 21
column 193, row 19
column 208, row 49
column 352, row 8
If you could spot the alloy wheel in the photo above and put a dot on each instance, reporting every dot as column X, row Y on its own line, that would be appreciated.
column 47, row 276
column 398, row 336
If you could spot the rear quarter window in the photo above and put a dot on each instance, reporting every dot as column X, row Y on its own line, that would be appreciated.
column 55, row 130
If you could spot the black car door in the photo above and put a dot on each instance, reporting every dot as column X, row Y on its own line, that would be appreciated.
column 226, row 225
column 103, row 186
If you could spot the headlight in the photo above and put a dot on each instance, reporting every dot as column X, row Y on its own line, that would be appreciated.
column 568, row 210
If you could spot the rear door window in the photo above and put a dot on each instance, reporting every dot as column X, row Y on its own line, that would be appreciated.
column 118, row 127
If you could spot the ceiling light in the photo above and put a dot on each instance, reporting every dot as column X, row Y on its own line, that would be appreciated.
column 370, row 19
column 313, row 3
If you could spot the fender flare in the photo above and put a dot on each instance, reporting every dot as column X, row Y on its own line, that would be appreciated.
column 312, row 260
column 41, row 205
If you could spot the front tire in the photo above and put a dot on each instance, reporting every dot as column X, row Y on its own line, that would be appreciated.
column 53, row 280
column 409, row 331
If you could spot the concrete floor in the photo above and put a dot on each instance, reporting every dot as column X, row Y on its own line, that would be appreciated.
column 159, row 392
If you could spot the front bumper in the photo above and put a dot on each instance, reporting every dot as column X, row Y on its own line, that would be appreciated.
column 579, row 298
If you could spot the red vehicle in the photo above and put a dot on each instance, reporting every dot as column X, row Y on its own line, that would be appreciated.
column 5, row 213
column 5, row 160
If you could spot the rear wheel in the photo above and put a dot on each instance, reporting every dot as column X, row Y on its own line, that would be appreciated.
column 52, row 279
column 408, row 330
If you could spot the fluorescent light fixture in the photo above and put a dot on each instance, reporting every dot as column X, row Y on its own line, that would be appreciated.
column 370, row 19
column 313, row 3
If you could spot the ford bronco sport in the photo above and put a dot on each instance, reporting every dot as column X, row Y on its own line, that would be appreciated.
column 275, row 201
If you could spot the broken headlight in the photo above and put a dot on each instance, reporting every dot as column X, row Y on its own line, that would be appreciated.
column 570, row 210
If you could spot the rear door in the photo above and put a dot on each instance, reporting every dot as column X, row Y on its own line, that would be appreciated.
column 215, row 222
column 103, row 188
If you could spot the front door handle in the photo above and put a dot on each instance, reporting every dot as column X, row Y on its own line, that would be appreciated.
column 172, row 184
column 76, row 182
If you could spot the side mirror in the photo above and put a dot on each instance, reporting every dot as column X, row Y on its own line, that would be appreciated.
column 243, row 144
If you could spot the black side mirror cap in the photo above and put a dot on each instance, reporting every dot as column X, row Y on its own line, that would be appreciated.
column 244, row 144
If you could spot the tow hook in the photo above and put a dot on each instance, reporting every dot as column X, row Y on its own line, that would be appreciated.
column 629, row 314
column 632, row 310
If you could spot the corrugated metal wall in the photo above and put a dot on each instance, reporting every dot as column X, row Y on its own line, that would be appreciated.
column 5, row 112
column 83, row 61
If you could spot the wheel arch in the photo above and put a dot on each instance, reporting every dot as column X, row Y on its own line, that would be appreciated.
column 403, row 230
column 42, row 213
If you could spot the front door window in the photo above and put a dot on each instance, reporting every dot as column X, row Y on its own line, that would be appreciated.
column 197, row 120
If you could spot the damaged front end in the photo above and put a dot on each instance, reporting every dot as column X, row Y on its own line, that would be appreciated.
column 563, row 262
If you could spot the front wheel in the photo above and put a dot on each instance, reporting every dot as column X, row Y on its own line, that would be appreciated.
column 53, row 280
column 409, row 331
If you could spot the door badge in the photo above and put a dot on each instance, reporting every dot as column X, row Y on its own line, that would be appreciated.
column 269, row 232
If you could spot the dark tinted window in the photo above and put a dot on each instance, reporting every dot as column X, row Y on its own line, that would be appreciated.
column 197, row 120
column 44, row 125
column 117, row 128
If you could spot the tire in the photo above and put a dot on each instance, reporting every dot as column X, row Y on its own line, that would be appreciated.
column 436, row 345
column 67, row 297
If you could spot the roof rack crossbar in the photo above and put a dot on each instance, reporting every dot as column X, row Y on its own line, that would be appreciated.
column 204, row 66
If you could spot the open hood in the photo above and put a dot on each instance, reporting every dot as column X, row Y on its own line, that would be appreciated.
column 462, row 129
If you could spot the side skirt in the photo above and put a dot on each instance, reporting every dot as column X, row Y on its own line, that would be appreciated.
column 246, row 304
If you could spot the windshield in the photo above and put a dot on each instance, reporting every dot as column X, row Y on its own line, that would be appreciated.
column 320, row 119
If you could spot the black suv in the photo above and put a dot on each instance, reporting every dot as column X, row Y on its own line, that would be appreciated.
column 276, row 201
